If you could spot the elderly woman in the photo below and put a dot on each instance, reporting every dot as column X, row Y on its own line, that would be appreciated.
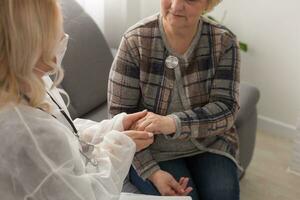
column 43, row 155
column 185, row 70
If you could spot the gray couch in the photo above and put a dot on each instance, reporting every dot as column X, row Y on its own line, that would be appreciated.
column 87, row 63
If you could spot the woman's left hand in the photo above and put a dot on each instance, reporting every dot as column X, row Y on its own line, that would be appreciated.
column 156, row 124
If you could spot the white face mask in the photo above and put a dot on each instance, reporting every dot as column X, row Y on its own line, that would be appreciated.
column 61, row 50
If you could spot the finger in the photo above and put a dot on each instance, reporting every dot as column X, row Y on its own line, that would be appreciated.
column 181, row 180
column 176, row 186
column 139, row 134
column 136, row 116
column 138, row 122
column 141, row 119
column 184, row 182
column 143, row 125
column 152, row 128
column 148, row 116
column 133, row 126
column 188, row 191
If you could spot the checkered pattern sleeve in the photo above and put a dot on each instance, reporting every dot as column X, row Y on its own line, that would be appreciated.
column 218, row 115
column 124, row 95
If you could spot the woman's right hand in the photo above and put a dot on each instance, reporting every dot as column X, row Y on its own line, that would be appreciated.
column 168, row 186
column 142, row 139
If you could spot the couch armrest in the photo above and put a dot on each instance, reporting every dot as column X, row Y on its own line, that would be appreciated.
column 249, row 96
column 246, row 122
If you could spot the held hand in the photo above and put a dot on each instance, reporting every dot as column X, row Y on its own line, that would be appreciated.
column 130, row 119
column 168, row 186
column 142, row 139
column 156, row 124
column 184, row 182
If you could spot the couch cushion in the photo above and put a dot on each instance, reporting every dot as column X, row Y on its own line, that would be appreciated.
column 98, row 114
column 87, row 61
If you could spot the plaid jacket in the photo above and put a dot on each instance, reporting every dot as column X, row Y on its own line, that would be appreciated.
column 140, row 80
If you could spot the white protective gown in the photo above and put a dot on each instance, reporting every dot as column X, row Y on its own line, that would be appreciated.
column 39, row 156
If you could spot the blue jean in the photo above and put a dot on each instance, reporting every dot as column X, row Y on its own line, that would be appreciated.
column 212, row 177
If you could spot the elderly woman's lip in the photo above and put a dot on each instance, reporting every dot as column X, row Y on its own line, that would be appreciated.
column 177, row 15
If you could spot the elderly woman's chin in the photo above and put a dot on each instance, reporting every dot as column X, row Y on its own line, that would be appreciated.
column 176, row 21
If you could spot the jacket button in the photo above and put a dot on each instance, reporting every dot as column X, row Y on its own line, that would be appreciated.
column 172, row 62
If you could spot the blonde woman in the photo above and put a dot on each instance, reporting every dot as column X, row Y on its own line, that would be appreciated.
column 185, row 70
column 44, row 155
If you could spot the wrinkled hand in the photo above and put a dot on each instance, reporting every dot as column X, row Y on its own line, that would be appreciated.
column 156, row 124
column 168, row 186
column 130, row 119
column 142, row 139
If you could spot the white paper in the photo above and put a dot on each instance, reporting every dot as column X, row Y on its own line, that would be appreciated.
column 130, row 196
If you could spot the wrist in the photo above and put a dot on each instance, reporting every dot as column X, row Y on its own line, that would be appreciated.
column 176, row 134
column 172, row 123
column 153, row 176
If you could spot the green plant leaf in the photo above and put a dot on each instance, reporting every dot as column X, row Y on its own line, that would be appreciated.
column 243, row 46
column 211, row 18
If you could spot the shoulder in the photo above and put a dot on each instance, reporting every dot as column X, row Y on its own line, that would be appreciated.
column 30, row 124
column 138, row 37
column 218, row 32
column 11, row 124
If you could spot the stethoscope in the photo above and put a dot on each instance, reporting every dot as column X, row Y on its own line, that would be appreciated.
column 87, row 148
column 171, row 62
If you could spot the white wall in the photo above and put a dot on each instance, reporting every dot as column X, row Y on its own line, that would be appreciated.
column 272, row 30
column 270, row 27
column 115, row 20
column 112, row 16
column 95, row 8
column 149, row 7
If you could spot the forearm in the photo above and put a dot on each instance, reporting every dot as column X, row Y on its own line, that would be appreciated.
column 116, row 151
column 93, row 132
column 124, row 93
column 212, row 119
column 67, row 175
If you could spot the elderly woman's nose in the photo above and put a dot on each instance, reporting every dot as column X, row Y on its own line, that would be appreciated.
column 177, row 5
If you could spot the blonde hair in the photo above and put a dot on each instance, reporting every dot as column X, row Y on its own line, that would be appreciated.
column 30, row 32
column 212, row 4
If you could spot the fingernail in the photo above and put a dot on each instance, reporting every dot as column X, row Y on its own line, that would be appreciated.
column 150, row 134
column 144, row 110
